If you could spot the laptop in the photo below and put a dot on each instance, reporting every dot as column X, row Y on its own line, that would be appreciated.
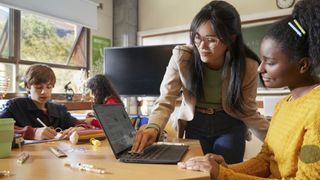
column 120, row 134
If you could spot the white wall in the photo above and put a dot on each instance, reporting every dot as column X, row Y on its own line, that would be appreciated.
column 164, row 22
column 156, row 14
column 104, row 22
column 104, row 19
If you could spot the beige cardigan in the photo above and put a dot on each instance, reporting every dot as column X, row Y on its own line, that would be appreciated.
column 177, row 79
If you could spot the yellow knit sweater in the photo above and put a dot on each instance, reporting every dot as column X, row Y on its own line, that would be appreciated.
column 291, row 149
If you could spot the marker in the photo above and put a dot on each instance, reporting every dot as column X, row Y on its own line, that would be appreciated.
column 5, row 173
column 57, row 152
column 43, row 124
column 22, row 158
column 171, row 143
column 96, row 143
column 85, row 167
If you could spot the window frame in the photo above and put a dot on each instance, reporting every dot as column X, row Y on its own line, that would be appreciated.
column 14, row 38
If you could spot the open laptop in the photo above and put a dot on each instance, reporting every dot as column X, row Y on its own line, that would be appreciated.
column 120, row 133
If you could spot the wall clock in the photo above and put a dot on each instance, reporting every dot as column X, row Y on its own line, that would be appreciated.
column 283, row 4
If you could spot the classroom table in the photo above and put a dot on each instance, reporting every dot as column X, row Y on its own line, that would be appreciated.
column 42, row 164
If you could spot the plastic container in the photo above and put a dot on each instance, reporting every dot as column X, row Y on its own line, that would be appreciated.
column 6, row 136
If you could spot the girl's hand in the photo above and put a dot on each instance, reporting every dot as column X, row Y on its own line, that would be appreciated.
column 67, row 132
column 208, row 163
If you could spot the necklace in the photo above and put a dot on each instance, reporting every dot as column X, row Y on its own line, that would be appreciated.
column 291, row 97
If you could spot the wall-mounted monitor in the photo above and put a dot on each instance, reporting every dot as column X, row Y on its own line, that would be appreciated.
column 139, row 70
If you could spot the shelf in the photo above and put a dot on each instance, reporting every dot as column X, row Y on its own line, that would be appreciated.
column 76, row 105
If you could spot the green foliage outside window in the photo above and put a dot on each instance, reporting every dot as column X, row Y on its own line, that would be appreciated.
column 40, row 40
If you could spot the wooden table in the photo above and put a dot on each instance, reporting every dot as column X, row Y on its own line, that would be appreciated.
column 42, row 164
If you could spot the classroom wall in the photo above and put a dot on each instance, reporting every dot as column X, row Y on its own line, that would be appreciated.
column 156, row 14
column 104, row 19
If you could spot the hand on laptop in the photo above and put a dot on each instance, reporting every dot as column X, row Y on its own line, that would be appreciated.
column 144, row 137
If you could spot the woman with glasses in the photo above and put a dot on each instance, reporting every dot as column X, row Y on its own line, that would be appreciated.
column 290, row 54
column 217, row 78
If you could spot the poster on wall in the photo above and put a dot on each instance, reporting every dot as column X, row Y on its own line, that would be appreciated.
column 98, row 44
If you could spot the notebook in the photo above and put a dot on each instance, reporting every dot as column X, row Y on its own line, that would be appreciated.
column 120, row 134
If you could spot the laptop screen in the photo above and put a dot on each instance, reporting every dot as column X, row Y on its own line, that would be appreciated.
column 116, row 125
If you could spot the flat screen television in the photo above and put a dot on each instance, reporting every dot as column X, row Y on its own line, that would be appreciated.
column 137, row 71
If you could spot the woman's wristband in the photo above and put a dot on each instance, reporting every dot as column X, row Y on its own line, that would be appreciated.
column 154, row 126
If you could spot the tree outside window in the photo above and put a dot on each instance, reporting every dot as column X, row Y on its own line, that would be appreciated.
column 39, row 39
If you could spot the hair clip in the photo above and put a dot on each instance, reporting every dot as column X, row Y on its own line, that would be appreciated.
column 299, row 26
column 295, row 29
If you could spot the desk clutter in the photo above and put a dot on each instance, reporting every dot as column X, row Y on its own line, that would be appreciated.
column 89, row 160
column 57, row 152
column 61, row 152
column 87, row 134
column 85, row 167
column 5, row 173
column 92, row 136
column 22, row 158
column 17, row 141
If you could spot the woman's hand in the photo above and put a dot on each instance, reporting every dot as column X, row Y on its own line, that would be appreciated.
column 45, row 133
column 144, row 137
column 208, row 163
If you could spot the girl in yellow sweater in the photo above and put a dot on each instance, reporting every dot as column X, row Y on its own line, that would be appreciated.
column 290, row 54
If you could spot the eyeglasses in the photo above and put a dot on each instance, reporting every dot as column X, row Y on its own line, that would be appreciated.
column 211, row 41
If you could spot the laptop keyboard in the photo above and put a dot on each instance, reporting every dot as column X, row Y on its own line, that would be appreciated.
column 152, row 152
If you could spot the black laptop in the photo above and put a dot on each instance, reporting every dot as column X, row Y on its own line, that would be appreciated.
column 120, row 134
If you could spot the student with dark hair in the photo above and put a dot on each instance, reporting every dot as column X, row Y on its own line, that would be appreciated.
column 290, row 57
column 103, row 93
column 102, row 90
column 307, row 13
column 217, row 78
column 39, row 81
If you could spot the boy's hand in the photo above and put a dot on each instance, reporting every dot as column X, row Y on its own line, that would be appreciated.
column 45, row 133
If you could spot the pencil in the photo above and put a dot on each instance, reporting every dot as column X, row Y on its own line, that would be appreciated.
column 43, row 124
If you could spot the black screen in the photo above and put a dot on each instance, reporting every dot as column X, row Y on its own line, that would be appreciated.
column 137, row 71
column 116, row 125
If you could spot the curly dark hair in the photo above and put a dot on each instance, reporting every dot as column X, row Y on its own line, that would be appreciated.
column 307, row 12
column 101, row 88
column 294, row 46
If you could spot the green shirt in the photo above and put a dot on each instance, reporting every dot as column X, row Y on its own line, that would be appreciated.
column 212, row 84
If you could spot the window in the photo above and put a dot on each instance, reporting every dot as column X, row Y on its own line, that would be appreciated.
column 4, row 48
column 28, row 38
column 6, row 77
column 74, row 76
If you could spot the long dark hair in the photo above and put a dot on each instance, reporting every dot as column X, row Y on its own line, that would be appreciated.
column 226, row 23
column 101, row 88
